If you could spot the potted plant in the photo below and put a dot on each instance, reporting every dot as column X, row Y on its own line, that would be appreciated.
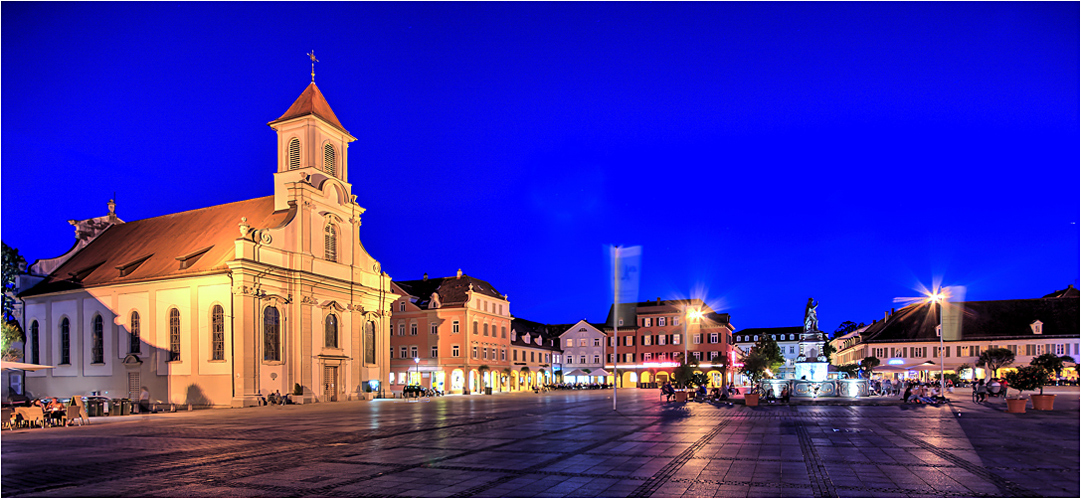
column 1052, row 365
column 1027, row 378
column 764, row 356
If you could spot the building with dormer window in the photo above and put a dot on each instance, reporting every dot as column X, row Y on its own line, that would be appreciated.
column 450, row 334
column 218, row 306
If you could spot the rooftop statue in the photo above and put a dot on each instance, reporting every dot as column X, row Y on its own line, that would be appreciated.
column 811, row 318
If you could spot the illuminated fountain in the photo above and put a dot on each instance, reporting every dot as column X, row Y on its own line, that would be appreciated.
column 808, row 378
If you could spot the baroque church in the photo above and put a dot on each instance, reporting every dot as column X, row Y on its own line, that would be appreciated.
column 221, row 305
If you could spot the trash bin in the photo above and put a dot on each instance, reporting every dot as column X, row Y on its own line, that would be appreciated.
column 95, row 406
column 488, row 391
column 115, row 407
column 125, row 406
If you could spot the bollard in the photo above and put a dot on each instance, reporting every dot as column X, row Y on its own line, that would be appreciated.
column 189, row 407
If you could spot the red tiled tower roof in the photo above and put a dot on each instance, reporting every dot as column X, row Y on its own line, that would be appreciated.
column 311, row 102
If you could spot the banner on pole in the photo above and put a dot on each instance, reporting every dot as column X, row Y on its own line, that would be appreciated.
column 624, row 271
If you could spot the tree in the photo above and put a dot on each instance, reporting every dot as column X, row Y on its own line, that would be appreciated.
column 868, row 364
column 847, row 327
column 764, row 355
column 850, row 369
column 12, row 332
column 1051, row 364
column 13, row 264
column 699, row 379
column 994, row 359
column 683, row 374
column 844, row 328
column 1026, row 378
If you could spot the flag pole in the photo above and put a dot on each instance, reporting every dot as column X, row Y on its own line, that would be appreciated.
column 615, row 318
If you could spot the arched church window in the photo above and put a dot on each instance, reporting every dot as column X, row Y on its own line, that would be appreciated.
column 330, row 243
column 35, row 343
column 271, row 335
column 330, row 331
column 370, row 342
column 294, row 153
column 174, row 334
column 65, row 342
column 133, row 333
column 328, row 159
column 217, row 333
column 97, row 351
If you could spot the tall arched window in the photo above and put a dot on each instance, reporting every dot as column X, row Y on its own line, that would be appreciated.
column 370, row 342
column 330, row 331
column 133, row 333
column 35, row 343
column 65, row 342
column 217, row 333
column 328, row 159
column 294, row 153
column 174, row 334
column 330, row 243
column 271, row 335
column 97, row 354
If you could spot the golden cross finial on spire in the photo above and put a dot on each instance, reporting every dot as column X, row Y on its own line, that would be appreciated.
column 312, row 55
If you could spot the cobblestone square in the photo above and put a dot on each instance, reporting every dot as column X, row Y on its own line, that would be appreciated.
column 558, row 444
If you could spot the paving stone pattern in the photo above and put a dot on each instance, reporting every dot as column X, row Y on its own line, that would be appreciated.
column 559, row 444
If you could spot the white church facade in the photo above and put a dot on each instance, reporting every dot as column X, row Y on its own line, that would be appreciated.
column 220, row 305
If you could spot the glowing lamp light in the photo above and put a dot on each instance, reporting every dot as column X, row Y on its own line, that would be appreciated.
column 895, row 361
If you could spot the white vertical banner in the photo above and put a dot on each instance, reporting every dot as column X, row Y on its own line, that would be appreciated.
column 624, row 270
column 951, row 314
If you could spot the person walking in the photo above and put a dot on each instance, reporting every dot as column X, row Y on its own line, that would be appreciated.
column 980, row 391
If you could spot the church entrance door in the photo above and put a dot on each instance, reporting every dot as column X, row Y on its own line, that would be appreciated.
column 330, row 383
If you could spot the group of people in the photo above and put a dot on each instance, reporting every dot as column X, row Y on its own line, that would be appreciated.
column 275, row 398
column 578, row 386
column 715, row 394
column 982, row 391
column 923, row 393
column 54, row 411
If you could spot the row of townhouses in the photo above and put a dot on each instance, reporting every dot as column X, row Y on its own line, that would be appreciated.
column 222, row 305
column 907, row 341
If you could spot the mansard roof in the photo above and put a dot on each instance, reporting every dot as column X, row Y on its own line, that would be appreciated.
column 452, row 289
column 983, row 320
column 311, row 102
column 549, row 340
column 175, row 245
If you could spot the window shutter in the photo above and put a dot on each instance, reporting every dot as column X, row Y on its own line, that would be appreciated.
column 294, row 154
column 328, row 159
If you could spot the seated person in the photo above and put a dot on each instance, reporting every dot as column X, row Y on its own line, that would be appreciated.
column 668, row 391
column 701, row 392
column 55, row 411
column 785, row 394
column 272, row 399
column 715, row 394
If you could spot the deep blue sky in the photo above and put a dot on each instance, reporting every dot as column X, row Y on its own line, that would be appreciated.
column 766, row 153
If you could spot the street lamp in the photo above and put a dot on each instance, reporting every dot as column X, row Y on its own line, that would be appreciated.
column 688, row 316
column 935, row 298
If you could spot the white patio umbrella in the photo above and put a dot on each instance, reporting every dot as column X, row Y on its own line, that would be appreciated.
column 14, row 365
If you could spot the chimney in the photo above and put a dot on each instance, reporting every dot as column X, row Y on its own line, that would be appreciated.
column 659, row 301
column 459, row 275
column 425, row 278
column 892, row 310
column 885, row 315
